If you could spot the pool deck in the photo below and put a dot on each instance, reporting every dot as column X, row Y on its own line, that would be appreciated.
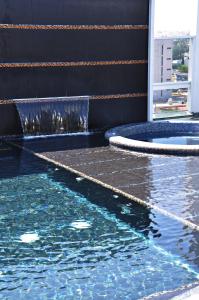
column 169, row 184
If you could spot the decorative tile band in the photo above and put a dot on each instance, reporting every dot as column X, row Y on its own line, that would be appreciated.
column 118, row 96
column 96, row 97
column 72, row 27
column 72, row 64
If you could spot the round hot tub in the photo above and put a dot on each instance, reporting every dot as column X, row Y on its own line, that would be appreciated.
column 162, row 137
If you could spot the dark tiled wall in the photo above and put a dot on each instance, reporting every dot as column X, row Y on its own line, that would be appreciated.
column 74, row 11
column 75, row 45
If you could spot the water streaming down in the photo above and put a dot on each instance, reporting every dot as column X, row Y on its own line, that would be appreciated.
column 53, row 115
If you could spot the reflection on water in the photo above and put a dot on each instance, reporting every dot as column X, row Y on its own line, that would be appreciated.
column 174, row 186
column 60, row 239
column 62, row 115
column 169, row 138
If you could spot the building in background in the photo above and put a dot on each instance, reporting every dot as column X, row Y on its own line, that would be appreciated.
column 163, row 66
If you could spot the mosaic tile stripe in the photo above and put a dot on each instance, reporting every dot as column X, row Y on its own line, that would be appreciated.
column 72, row 64
column 72, row 27
column 96, row 97
column 118, row 96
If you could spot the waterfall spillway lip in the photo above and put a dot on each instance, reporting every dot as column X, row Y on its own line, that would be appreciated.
column 44, row 100
column 143, row 137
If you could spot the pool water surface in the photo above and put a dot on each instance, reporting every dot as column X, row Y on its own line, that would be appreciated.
column 59, row 242
column 166, row 138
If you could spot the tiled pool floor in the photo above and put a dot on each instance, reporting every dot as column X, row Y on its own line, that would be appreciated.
column 169, row 182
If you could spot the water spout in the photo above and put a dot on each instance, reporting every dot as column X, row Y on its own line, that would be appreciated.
column 53, row 115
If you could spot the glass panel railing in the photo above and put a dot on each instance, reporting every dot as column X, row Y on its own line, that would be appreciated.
column 171, row 59
column 172, row 69
column 171, row 103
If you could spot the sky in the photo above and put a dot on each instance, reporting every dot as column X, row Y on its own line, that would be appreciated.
column 175, row 15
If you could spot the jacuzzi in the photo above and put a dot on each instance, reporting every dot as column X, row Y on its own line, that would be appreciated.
column 158, row 137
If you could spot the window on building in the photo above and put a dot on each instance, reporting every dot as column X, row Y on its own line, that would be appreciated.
column 172, row 56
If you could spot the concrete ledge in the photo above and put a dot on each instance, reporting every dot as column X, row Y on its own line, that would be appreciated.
column 118, row 137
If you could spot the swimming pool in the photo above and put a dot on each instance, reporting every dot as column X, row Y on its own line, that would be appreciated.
column 62, row 237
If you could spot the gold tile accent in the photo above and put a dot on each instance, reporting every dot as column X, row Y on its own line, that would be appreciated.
column 118, row 96
column 72, row 64
column 72, row 27
column 58, row 99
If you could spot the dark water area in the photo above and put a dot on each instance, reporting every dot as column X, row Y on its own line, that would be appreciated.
column 63, row 115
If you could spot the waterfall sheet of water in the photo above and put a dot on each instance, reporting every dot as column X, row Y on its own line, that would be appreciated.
column 53, row 115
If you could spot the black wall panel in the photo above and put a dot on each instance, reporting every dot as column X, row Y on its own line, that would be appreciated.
column 9, row 120
column 74, row 11
column 29, row 46
column 51, row 45
column 53, row 82
column 117, row 112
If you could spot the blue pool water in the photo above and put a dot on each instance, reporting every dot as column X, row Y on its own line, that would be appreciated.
column 173, row 139
column 62, row 238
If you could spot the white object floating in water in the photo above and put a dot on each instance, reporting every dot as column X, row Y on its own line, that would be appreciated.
column 115, row 196
column 80, row 225
column 29, row 237
column 78, row 179
column 79, row 291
